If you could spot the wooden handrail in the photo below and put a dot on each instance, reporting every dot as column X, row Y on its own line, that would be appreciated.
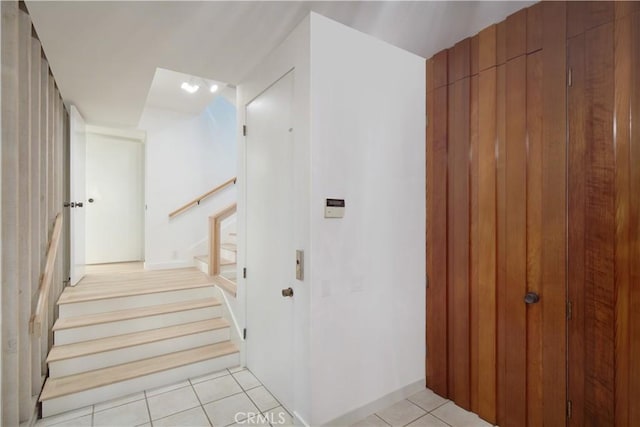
column 47, row 276
column 197, row 200
column 215, row 221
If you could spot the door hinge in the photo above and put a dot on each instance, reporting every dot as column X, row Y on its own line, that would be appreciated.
column 569, row 408
column 244, row 130
column 244, row 273
column 244, row 334
column 569, row 310
column 570, row 78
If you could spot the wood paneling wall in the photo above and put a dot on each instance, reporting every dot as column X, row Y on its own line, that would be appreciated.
column 34, row 136
column 604, row 196
column 533, row 185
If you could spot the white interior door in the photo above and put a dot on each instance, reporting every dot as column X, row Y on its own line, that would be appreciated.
column 115, row 201
column 78, row 183
column 270, row 253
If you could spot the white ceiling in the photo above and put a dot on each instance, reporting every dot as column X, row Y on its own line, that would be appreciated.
column 165, row 92
column 104, row 54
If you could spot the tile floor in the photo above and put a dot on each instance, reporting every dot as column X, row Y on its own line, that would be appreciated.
column 209, row 400
column 215, row 399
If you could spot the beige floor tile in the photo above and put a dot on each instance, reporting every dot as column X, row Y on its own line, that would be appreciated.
column 216, row 389
column 194, row 417
column 229, row 410
column 401, row 414
column 262, row 398
column 172, row 402
column 428, row 421
column 246, row 379
column 279, row 417
column 130, row 414
column 236, row 369
column 371, row 421
column 76, row 422
column 455, row 416
column 427, row 400
column 164, row 389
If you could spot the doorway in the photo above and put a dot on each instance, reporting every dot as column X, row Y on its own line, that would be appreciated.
column 270, row 253
column 115, row 198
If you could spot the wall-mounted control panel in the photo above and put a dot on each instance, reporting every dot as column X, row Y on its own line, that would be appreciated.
column 334, row 208
column 299, row 264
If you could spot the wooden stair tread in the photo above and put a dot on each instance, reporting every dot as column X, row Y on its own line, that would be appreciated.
column 98, row 278
column 133, row 313
column 229, row 246
column 68, row 351
column 58, row 387
column 125, row 289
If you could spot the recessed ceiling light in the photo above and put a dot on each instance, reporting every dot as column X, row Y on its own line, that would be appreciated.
column 187, row 87
column 213, row 88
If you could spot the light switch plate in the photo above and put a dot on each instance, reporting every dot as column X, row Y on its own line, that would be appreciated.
column 300, row 264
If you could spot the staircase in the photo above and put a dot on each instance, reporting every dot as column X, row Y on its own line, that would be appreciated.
column 121, row 333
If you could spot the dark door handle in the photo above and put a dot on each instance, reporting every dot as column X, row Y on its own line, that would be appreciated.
column 287, row 292
column 79, row 204
column 531, row 298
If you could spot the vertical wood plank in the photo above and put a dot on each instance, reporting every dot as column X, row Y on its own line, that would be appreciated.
column 429, row 79
column 440, row 68
column 576, row 232
column 24, row 215
column 554, row 212
column 437, row 345
column 487, row 244
column 501, row 42
column 534, row 28
column 534, row 242
column 501, row 250
column 487, row 48
column 634, row 224
column 460, row 60
column 475, row 55
column 474, row 291
column 576, row 11
column 9, row 206
column 516, row 34
column 622, row 131
column 458, row 221
column 598, row 13
column 516, row 244
column 600, row 232
column 36, row 235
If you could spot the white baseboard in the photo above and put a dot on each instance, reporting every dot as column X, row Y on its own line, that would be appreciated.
column 168, row 265
column 385, row 401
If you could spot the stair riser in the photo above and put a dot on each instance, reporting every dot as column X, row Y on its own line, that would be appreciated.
column 102, row 330
column 91, row 362
column 136, row 301
column 202, row 266
column 123, row 388
column 227, row 254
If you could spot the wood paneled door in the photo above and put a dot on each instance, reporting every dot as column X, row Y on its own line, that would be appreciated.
column 533, row 210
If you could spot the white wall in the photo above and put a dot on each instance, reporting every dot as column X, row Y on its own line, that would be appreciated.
column 293, row 53
column 359, row 119
column 368, row 292
column 186, row 155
